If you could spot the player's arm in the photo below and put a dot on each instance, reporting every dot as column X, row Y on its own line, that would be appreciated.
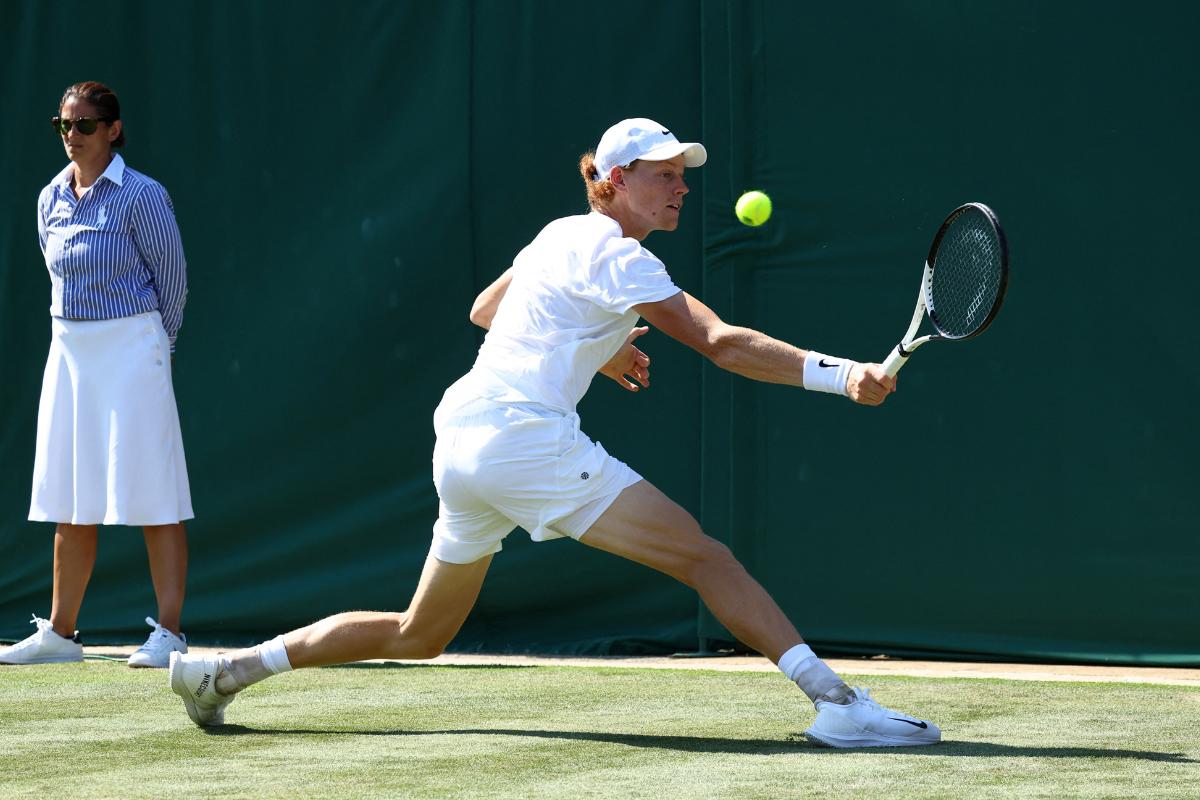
column 754, row 355
column 484, row 308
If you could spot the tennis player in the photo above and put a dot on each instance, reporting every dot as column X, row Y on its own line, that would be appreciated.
column 510, row 450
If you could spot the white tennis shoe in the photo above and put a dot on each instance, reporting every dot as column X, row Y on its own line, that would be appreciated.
column 194, row 678
column 156, row 652
column 865, row 723
column 43, row 647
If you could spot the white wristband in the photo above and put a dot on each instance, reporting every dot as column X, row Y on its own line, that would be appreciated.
column 824, row 373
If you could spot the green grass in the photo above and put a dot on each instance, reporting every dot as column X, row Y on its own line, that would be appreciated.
column 99, row 729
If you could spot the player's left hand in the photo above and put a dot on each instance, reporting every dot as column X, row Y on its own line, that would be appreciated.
column 869, row 385
column 630, row 364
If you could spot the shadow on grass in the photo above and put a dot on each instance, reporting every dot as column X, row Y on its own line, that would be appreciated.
column 410, row 665
column 711, row 744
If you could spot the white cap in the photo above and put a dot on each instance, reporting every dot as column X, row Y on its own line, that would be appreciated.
column 640, row 138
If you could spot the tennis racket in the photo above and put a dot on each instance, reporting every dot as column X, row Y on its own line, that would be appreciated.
column 966, row 275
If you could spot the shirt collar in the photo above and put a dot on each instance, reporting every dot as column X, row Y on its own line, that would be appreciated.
column 64, row 178
column 115, row 172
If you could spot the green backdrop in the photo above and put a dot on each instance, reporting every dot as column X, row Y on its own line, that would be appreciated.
column 346, row 179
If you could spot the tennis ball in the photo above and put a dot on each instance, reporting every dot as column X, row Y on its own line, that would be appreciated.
column 753, row 208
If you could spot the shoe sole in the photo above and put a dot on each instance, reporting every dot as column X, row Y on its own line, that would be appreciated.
column 846, row 742
column 41, row 661
column 151, row 665
column 181, row 689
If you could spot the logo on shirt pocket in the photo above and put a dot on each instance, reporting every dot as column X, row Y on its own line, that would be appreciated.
column 101, row 216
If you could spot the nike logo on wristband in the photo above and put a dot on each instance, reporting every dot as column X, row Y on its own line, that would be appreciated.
column 823, row 363
column 921, row 725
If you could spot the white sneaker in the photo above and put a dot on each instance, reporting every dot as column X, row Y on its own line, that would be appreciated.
column 865, row 723
column 156, row 652
column 194, row 678
column 43, row 647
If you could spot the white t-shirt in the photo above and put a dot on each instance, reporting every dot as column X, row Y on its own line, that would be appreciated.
column 566, row 312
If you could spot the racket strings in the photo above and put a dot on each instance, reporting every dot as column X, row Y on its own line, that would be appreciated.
column 967, row 274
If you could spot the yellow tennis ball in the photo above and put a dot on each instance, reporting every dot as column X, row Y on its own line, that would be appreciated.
column 753, row 208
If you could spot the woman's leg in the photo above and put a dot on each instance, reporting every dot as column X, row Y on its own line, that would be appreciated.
column 74, row 558
column 167, row 551
column 646, row 526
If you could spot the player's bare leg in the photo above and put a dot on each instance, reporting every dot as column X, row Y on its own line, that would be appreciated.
column 646, row 526
column 445, row 596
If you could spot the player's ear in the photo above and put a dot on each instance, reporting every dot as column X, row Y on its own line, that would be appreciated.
column 617, row 176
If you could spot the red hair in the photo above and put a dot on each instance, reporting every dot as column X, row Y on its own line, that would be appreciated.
column 600, row 192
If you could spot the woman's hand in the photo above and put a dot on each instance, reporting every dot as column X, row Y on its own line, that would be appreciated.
column 629, row 364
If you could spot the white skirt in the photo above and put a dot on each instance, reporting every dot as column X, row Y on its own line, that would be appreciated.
column 109, row 448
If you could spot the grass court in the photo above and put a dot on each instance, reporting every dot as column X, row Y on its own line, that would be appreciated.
column 99, row 730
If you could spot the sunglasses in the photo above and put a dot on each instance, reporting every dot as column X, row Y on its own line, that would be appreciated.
column 85, row 125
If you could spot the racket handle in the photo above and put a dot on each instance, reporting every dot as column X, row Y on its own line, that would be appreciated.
column 895, row 360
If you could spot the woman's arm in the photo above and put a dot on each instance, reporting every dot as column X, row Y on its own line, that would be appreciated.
column 41, row 219
column 156, row 237
column 489, row 299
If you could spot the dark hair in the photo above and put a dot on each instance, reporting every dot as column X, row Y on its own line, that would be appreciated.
column 600, row 193
column 103, row 98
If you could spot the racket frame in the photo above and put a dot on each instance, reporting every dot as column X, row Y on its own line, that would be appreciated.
column 901, row 352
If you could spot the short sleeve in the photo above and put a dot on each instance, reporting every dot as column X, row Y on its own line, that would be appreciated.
column 625, row 274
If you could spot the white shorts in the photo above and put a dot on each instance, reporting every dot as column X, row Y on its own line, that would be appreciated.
column 500, row 465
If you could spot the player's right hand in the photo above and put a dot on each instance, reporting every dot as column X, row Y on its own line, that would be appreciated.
column 869, row 385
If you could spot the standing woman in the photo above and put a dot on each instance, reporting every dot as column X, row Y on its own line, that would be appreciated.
column 109, row 449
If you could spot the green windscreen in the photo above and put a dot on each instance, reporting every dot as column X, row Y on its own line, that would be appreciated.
column 347, row 179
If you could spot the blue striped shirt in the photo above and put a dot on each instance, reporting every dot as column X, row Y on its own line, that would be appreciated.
column 114, row 252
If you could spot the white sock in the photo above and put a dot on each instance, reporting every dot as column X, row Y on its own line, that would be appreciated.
column 253, row 664
column 274, row 656
column 812, row 675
